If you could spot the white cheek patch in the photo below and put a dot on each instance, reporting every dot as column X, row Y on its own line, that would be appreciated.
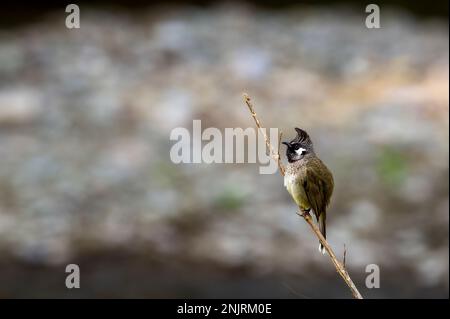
column 300, row 151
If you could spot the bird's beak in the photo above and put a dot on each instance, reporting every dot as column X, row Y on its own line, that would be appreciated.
column 285, row 143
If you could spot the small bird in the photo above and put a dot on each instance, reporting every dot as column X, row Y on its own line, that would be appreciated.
column 307, row 179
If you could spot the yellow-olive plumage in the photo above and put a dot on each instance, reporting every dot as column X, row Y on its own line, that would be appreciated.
column 307, row 179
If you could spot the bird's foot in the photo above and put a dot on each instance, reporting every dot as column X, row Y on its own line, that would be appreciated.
column 304, row 212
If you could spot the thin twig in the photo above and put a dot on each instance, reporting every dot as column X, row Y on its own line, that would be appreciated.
column 345, row 254
column 276, row 157
column 278, row 151
column 340, row 267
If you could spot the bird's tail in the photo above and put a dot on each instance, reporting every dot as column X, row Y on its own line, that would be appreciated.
column 323, row 230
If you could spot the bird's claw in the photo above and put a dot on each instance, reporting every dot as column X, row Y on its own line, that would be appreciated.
column 304, row 212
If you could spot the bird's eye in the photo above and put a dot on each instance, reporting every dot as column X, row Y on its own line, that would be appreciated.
column 296, row 146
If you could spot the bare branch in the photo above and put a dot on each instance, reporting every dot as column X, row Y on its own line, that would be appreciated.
column 275, row 156
column 345, row 254
column 340, row 267
column 278, row 151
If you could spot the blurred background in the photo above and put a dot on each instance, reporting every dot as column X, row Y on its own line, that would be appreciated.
column 86, row 177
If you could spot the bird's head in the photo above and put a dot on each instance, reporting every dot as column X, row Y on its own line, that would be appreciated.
column 299, row 147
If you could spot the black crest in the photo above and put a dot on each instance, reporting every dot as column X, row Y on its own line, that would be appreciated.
column 302, row 138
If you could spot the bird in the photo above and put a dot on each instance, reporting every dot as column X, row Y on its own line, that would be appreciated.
column 308, row 180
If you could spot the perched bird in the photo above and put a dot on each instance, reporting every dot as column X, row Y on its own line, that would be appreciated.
column 307, row 179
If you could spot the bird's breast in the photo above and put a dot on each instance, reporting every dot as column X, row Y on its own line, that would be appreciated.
column 294, row 187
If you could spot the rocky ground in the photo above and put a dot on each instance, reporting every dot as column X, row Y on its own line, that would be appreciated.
column 85, row 174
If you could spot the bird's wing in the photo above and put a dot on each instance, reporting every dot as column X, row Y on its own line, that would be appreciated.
column 316, row 191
